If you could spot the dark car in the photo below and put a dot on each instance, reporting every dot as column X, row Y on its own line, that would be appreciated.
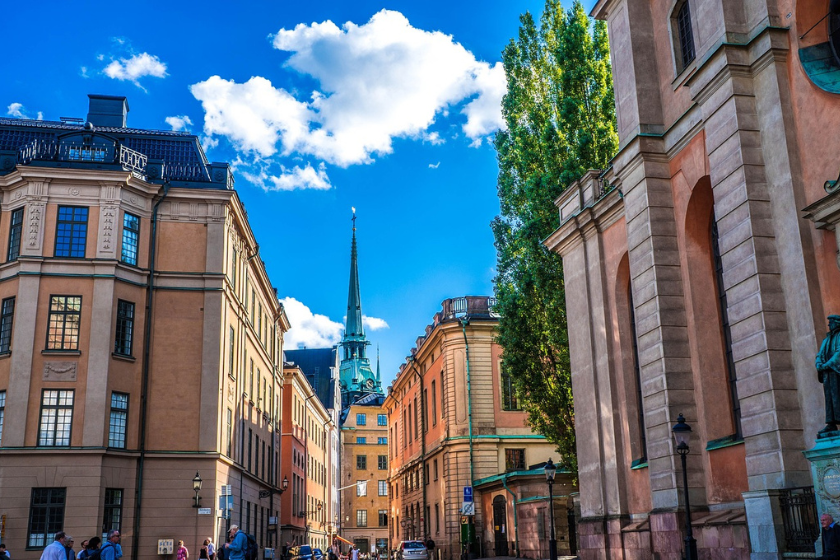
column 317, row 554
column 302, row 552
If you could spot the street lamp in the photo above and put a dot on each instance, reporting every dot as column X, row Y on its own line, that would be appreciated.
column 197, row 488
column 550, row 471
column 682, row 433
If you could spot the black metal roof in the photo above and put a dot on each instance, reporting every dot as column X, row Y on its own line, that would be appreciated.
column 316, row 364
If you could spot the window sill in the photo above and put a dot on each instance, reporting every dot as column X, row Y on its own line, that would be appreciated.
column 639, row 464
column 61, row 352
column 4, row 355
column 723, row 442
column 123, row 357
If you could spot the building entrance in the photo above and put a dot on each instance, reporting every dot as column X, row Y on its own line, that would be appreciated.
column 499, row 525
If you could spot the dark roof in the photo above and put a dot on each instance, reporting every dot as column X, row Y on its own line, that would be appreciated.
column 174, row 156
column 315, row 364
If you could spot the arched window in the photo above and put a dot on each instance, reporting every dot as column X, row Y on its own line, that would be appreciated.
column 683, row 35
column 640, row 409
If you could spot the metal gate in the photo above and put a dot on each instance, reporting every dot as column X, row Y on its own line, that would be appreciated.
column 500, row 525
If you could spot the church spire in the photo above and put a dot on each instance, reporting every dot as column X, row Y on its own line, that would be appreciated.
column 354, row 330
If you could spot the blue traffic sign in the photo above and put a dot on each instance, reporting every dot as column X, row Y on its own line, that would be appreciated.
column 468, row 493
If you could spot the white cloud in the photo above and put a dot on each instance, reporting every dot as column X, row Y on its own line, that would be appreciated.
column 179, row 122
column 309, row 329
column 17, row 110
column 296, row 178
column 136, row 67
column 434, row 165
column 374, row 323
column 378, row 81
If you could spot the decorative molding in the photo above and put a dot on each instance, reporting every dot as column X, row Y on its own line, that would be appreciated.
column 60, row 371
column 108, row 217
column 36, row 213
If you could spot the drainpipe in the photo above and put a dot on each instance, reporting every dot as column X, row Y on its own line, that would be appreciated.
column 144, row 393
column 422, row 442
column 464, row 322
column 515, row 517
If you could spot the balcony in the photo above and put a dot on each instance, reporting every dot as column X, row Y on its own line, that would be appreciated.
column 469, row 306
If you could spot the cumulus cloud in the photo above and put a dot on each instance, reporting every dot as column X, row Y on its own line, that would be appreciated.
column 291, row 179
column 179, row 122
column 136, row 67
column 309, row 329
column 18, row 111
column 374, row 323
column 376, row 82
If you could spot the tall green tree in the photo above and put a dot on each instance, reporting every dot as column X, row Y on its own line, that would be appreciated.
column 560, row 116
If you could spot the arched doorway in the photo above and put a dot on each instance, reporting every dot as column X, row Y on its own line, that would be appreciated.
column 500, row 525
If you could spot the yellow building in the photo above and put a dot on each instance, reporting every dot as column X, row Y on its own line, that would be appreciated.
column 140, row 340
column 454, row 422
column 364, row 466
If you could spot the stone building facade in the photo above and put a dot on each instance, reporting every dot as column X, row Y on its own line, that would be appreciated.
column 454, row 422
column 141, row 342
column 695, row 279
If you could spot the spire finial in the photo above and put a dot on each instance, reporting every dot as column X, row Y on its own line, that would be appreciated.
column 354, row 218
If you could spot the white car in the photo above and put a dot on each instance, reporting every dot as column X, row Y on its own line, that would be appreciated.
column 413, row 550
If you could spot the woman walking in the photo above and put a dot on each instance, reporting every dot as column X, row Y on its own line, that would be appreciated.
column 183, row 553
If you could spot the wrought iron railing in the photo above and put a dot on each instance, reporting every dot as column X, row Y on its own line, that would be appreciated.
column 132, row 160
column 799, row 517
column 54, row 150
column 185, row 172
column 470, row 305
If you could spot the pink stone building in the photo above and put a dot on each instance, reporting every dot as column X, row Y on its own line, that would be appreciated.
column 699, row 270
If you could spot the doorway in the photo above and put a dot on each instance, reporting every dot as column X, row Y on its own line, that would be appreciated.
column 500, row 525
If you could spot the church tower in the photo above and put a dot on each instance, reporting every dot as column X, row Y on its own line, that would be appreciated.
column 356, row 376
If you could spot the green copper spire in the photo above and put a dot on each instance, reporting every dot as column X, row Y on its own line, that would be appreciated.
column 356, row 376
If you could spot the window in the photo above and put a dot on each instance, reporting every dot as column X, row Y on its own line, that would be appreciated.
column 7, row 315
column 437, row 519
column 231, row 351
column 434, row 404
column 382, row 441
column 119, row 420
column 361, row 419
column 125, row 328
column 509, row 400
column 514, row 460
column 113, row 510
column 234, row 255
column 426, row 474
column 361, row 462
column 640, row 408
column 442, row 395
column 71, row 231
column 683, row 35
column 229, row 434
column 381, row 420
column 15, row 231
column 382, row 463
column 46, row 515
column 2, row 413
column 56, row 418
column 361, row 488
column 130, row 238
column 383, row 517
column 436, row 469
column 383, row 488
column 361, row 518
column 63, row 328
column 361, row 440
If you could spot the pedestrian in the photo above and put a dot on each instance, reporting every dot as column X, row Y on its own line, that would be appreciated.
column 182, row 553
column 4, row 554
column 111, row 548
column 92, row 546
column 55, row 550
column 830, row 538
column 68, row 548
column 354, row 553
column 238, row 544
column 211, row 549
column 83, row 550
column 203, row 554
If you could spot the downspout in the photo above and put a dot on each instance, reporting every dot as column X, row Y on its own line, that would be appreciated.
column 144, row 392
column 423, row 442
column 464, row 322
column 515, row 519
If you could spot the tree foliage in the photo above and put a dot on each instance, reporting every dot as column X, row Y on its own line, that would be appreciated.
column 560, row 117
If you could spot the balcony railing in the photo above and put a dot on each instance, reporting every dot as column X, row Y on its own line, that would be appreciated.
column 799, row 517
column 54, row 150
column 473, row 306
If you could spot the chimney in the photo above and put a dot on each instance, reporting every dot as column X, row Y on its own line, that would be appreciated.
column 107, row 110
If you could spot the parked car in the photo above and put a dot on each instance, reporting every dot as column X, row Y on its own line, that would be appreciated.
column 302, row 552
column 317, row 554
column 412, row 550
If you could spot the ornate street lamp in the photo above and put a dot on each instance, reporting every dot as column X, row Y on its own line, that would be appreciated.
column 197, row 488
column 550, row 471
column 682, row 433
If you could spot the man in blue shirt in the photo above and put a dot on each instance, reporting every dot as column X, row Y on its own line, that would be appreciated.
column 56, row 549
column 109, row 549
column 238, row 544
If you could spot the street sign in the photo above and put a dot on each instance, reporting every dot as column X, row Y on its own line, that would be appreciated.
column 468, row 508
column 468, row 493
column 166, row 546
column 205, row 511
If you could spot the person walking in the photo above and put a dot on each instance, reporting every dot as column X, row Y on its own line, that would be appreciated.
column 203, row 553
column 92, row 545
column 82, row 551
column 354, row 553
column 211, row 549
column 68, row 548
column 111, row 548
column 182, row 553
column 4, row 554
column 238, row 544
column 56, row 550
column 830, row 538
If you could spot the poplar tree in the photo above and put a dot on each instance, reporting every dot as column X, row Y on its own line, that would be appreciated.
column 560, row 121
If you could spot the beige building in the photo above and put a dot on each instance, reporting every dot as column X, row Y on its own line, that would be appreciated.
column 454, row 422
column 363, row 518
column 141, row 340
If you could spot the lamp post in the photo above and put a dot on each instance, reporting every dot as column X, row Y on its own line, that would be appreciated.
column 197, row 488
column 550, row 471
column 682, row 433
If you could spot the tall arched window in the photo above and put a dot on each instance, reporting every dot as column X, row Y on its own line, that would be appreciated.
column 683, row 35
column 640, row 409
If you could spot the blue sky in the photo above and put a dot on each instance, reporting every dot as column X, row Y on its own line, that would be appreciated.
column 388, row 107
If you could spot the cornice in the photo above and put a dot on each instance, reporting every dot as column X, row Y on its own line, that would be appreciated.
column 588, row 222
